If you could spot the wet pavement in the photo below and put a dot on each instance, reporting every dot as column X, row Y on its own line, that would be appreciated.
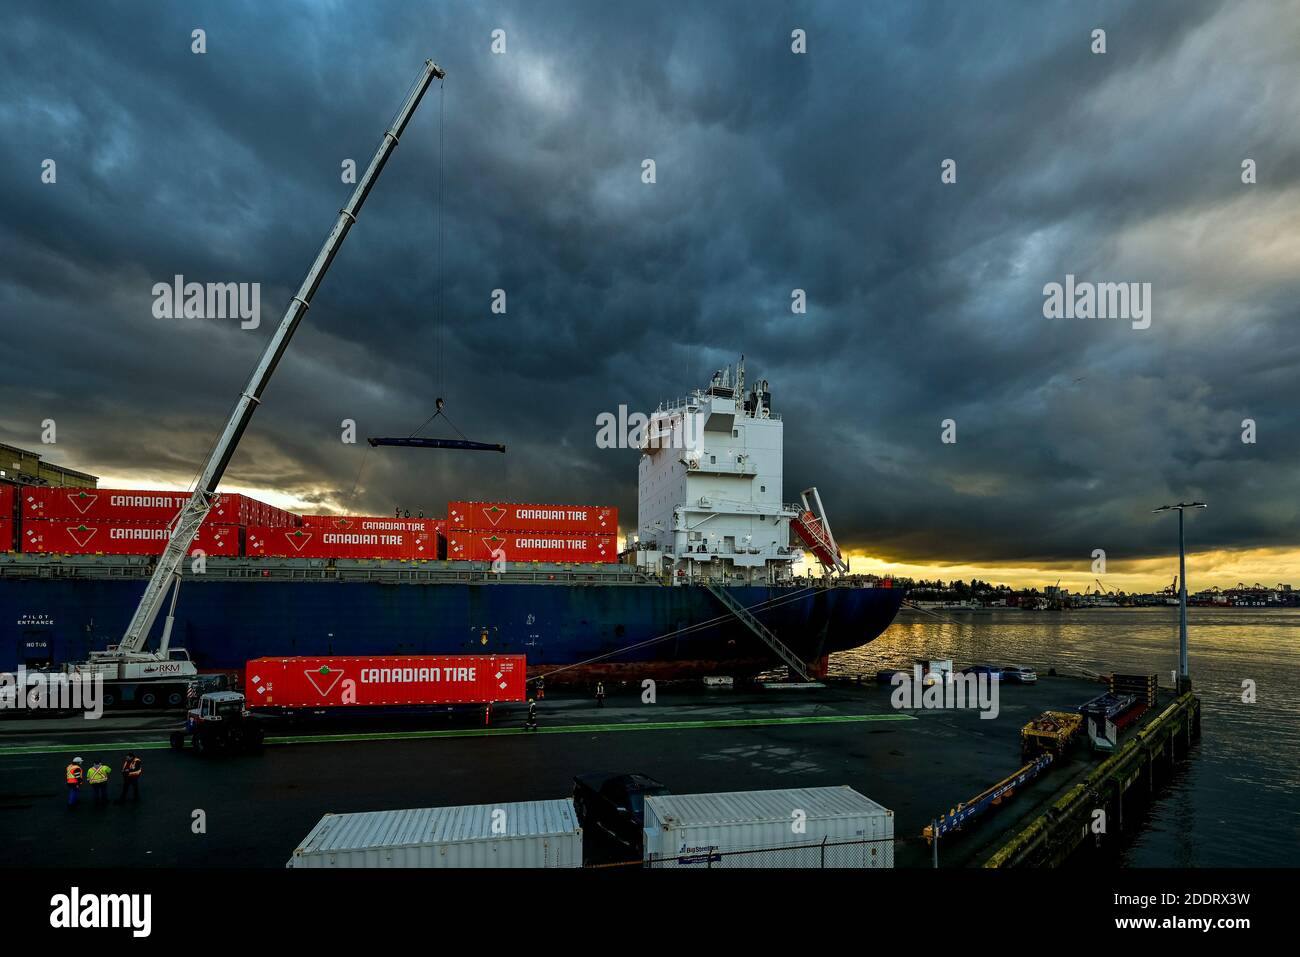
column 251, row 810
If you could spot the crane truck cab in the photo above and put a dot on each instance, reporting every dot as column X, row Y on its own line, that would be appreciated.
column 219, row 722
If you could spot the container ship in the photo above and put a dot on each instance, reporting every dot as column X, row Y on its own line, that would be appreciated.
column 705, row 584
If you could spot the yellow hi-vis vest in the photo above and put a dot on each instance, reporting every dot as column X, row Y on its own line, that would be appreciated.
column 74, row 774
column 98, row 774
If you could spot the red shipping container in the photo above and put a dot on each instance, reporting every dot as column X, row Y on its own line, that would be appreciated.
column 518, row 517
column 308, row 542
column 371, row 523
column 235, row 509
column 383, row 680
column 135, row 505
column 6, row 535
column 90, row 537
column 481, row 546
column 119, row 504
column 6, row 500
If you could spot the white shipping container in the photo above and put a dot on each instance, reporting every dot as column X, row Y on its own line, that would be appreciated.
column 524, row 834
column 799, row 827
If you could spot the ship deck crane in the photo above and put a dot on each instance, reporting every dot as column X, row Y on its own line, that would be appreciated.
column 129, row 659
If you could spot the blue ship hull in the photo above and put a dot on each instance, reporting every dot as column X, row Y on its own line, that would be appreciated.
column 613, row 630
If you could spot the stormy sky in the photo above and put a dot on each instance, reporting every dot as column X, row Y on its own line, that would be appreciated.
column 774, row 171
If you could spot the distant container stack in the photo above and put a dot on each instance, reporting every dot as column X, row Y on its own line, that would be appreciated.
column 110, row 521
column 520, row 532
column 117, row 521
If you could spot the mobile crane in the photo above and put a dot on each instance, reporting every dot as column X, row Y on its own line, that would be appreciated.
column 129, row 669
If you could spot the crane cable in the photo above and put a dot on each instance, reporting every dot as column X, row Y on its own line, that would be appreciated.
column 439, row 336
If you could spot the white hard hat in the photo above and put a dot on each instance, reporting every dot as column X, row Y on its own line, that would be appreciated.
column 76, row 760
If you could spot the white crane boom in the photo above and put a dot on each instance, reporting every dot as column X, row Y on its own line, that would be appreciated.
column 167, row 571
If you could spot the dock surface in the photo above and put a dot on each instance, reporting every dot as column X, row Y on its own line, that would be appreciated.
column 256, row 808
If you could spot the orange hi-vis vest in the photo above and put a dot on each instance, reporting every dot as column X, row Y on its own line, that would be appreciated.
column 74, row 774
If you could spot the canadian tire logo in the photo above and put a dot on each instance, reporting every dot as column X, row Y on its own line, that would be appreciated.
column 298, row 540
column 82, row 535
column 82, row 502
column 343, row 524
column 323, row 679
column 494, row 515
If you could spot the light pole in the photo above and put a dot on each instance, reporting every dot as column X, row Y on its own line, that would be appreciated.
column 1184, row 679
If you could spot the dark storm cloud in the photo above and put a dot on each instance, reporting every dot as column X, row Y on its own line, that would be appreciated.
column 775, row 171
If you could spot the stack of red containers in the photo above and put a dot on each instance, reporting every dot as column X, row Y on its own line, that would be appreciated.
column 518, row 532
column 113, row 521
column 348, row 536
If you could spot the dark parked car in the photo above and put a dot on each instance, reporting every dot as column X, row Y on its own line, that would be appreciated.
column 1020, row 674
column 615, row 803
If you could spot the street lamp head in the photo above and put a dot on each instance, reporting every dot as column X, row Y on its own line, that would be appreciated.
column 1180, row 506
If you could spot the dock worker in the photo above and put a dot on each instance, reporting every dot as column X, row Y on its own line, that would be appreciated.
column 98, row 778
column 74, row 781
column 541, row 689
column 530, row 723
column 132, row 768
column 600, row 694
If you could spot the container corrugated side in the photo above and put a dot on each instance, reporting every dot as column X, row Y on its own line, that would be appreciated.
column 531, row 517
column 368, row 681
column 520, row 834
column 798, row 827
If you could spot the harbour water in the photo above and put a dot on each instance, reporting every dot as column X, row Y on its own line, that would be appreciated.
column 1235, row 804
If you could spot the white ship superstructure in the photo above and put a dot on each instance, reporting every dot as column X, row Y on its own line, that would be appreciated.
column 709, row 494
